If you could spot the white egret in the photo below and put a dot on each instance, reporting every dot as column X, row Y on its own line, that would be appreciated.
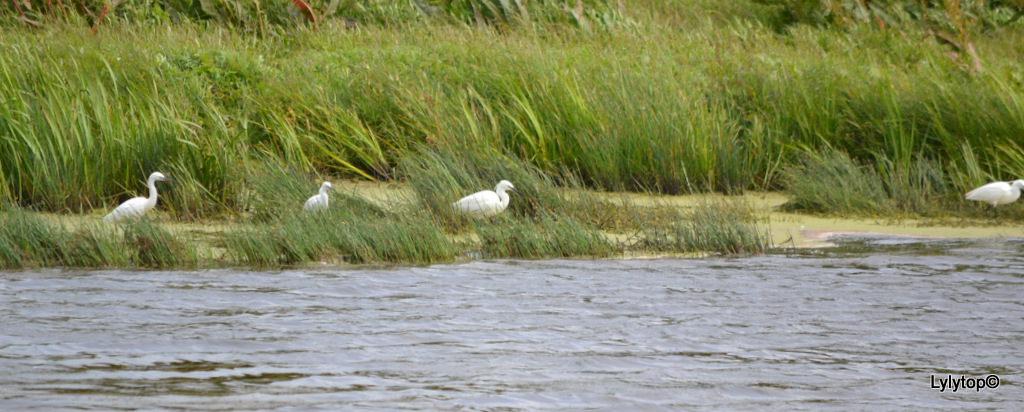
column 318, row 201
column 485, row 202
column 137, row 206
column 997, row 193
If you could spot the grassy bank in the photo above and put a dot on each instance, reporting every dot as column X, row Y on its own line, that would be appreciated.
column 889, row 115
column 29, row 240
column 374, row 226
column 676, row 97
column 374, row 223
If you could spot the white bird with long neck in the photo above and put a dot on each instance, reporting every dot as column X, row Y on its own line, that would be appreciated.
column 485, row 203
column 997, row 193
column 318, row 201
column 136, row 207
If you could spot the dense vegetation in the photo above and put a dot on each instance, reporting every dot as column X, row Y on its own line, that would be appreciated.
column 909, row 103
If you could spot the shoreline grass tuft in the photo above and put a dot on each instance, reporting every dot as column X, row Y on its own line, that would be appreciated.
column 724, row 227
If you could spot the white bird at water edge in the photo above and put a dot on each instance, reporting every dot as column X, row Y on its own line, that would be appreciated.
column 997, row 193
column 318, row 201
column 136, row 207
column 485, row 202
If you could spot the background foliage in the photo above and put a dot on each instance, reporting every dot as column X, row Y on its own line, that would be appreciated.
column 925, row 98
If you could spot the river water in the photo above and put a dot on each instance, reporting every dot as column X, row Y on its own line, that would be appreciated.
column 876, row 323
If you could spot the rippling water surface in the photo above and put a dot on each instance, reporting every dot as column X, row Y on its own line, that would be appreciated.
column 869, row 325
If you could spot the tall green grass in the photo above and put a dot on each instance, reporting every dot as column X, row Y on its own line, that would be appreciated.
column 422, row 229
column 341, row 236
column 727, row 227
column 271, row 18
column 694, row 96
column 541, row 221
column 832, row 182
column 551, row 236
column 28, row 240
column 84, row 129
column 150, row 245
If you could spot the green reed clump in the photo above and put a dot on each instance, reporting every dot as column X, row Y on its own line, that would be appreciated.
column 343, row 233
column 150, row 245
column 727, row 227
column 832, row 182
column 439, row 177
column 551, row 236
column 443, row 175
column 10, row 254
column 918, row 187
column 254, row 246
column 26, row 239
column 31, row 239
column 277, row 190
column 18, row 245
column 414, row 240
column 94, row 245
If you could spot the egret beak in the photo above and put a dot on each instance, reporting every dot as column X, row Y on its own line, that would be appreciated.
column 171, row 180
column 516, row 190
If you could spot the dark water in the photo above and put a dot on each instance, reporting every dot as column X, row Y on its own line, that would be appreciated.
column 867, row 325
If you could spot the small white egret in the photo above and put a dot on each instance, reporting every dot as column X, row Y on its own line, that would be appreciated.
column 997, row 193
column 318, row 201
column 485, row 202
column 137, row 206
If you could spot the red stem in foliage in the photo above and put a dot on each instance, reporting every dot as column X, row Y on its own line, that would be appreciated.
column 85, row 10
column 23, row 16
column 62, row 8
column 49, row 6
column 106, row 8
column 18, row 6
column 306, row 10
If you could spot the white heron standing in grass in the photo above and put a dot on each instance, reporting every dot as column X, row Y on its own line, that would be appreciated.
column 997, row 193
column 318, row 201
column 136, row 207
column 485, row 202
